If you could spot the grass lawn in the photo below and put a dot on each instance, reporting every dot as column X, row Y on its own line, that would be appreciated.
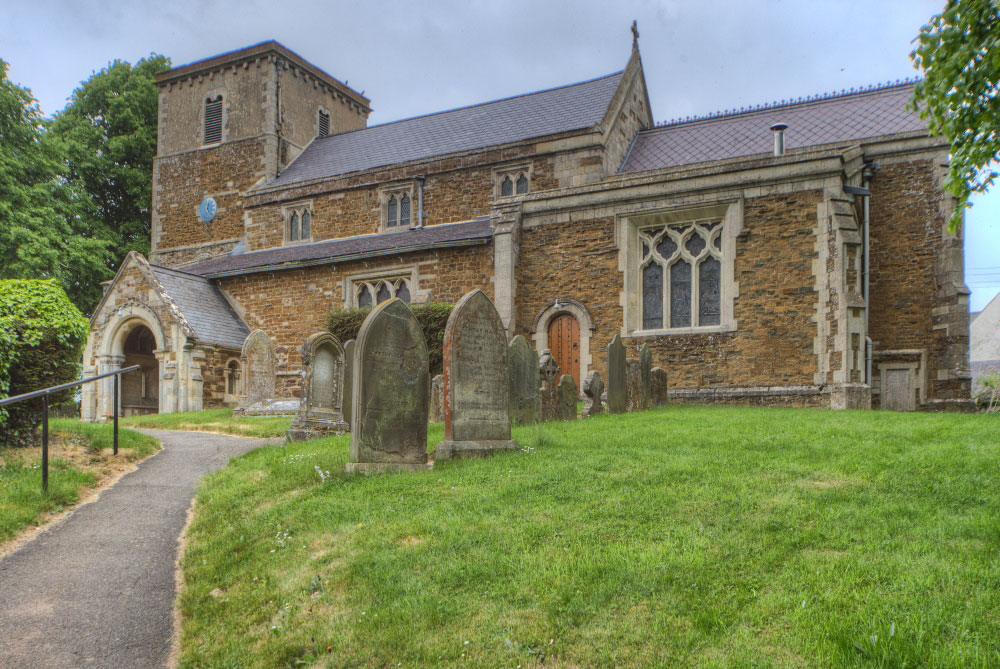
column 79, row 458
column 214, row 420
column 685, row 536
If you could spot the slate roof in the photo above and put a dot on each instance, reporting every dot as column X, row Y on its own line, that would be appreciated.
column 348, row 248
column 828, row 120
column 514, row 119
column 204, row 307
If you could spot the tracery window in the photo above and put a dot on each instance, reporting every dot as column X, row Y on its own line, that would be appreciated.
column 370, row 292
column 397, row 210
column 513, row 181
column 681, row 275
column 298, row 223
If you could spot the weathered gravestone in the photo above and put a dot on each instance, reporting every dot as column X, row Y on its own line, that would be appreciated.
column 658, row 390
column 522, row 369
column 349, row 364
column 391, row 385
column 476, row 389
column 645, row 378
column 616, row 376
column 568, row 394
column 321, row 404
column 257, row 361
column 548, row 392
column 593, row 388
column 632, row 385
column 437, row 398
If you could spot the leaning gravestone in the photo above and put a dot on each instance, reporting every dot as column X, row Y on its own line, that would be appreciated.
column 320, row 408
column 593, row 388
column 391, row 385
column 476, row 390
column 437, row 398
column 348, row 380
column 568, row 395
column 522, row 369
column 258, row 398
column 616, row 376
column 645, row 378
column 658, row 389
column 548, row 393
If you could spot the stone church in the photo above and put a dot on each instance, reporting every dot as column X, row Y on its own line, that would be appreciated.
column 793, row 254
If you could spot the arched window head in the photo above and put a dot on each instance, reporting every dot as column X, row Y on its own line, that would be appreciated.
column 506, row 186
column 404, row 211
column 232, row 377
column 384, row 292
column 306, row 224
column 522, row 184
column 364, row 296
column 293, row 227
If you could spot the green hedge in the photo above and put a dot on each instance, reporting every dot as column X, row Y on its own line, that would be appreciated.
column 433, row 317
column 42, row 336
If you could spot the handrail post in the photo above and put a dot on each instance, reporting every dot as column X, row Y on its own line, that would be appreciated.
column 114, row 397
column 45, row 442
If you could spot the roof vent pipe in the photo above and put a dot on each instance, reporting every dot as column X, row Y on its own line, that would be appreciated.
column 778, row 129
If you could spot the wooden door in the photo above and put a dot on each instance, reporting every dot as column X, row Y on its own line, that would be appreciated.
column 564, row 342
column 898, row 390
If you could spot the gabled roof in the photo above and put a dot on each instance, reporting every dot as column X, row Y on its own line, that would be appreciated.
column 523, row 117
column 827, row 120
column 445, row 235
column 203, row 307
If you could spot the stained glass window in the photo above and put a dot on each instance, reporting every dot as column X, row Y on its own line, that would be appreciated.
column 306, row 223
column 293, row 227
column 522, row 185
column 403, row 292
column 695, row 245
column 383, row 292
column 710, row 292
column 404, row 211
column 680, row 294
column 652, row 296
column 390, row 212
column 506, row 187
column 365, row 296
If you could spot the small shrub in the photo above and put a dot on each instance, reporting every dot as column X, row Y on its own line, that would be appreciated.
column 42, row 336
column 987, row 392
column 433, row 317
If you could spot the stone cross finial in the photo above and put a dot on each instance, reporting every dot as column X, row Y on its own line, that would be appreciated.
column 635, row 33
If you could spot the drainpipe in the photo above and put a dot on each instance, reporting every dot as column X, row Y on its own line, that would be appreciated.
column 420, row 202
column 866, row 176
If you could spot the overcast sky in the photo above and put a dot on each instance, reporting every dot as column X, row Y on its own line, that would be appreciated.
column 412, row 58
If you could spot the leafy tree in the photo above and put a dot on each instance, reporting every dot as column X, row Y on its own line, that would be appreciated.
column 959, row 53
column 107, row 138
column 43, row 233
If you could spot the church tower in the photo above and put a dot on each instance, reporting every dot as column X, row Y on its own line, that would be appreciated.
column 226, row 124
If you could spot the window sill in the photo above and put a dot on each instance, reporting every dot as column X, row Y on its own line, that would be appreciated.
column 710, row 329
column 297, row 242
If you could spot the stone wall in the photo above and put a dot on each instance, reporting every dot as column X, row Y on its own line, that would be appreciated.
column 292, row 304
column 213, row 374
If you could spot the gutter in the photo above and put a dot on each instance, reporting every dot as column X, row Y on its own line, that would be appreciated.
column 295, row 264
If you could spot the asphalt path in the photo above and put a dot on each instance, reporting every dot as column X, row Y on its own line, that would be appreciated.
column 98, row 589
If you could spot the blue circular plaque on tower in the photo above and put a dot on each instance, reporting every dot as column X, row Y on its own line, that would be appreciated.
column 207, row 209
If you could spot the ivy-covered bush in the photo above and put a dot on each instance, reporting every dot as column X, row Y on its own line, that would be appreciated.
column 42, row 336
column 433, row 317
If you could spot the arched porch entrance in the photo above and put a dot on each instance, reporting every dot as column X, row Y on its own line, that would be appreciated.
column 140, row 391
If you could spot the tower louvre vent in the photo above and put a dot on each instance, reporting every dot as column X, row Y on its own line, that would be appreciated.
column 213, row 120
column 324, row 124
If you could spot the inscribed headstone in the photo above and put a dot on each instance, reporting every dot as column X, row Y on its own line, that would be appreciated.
column 437, row 398
column 476, row 389
column 349, row 364
column 645, row 379
column 391, row 388
column 616, row 376
column 258, row 398
column 568, row 395
column 658, row 387
column 522, row 367
column 593, row 388
column 548, row 392
column 320, row 408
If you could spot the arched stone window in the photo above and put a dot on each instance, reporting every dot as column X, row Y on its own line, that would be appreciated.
column 681, row 272
column 514, row 180
column 375, row 291
column 233, row 378
column 298, row 223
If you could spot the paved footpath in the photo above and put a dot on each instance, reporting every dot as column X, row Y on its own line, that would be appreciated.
column 98, row 590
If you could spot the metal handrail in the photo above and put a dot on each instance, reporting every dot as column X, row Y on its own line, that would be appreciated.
column 44, row 394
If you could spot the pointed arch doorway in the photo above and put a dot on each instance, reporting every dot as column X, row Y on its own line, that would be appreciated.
column 564, row 342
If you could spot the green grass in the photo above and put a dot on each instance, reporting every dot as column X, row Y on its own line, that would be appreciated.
column 22, row 501
column 214, row 420
column 685, row 536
